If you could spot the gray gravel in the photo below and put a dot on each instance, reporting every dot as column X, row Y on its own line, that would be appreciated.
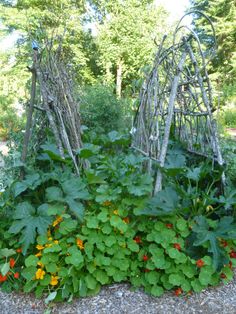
column 119, row 299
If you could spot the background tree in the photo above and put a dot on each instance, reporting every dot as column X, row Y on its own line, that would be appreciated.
column 223, row 15
column 126, row 34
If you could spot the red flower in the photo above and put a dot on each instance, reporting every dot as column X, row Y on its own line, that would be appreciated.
column 232, row 254
column 169, row 226
column 137, row 239
column 146, row 270
column 126, row 220
column 177, row 246
column 230, row 265
column 145, row 258
column 19, row 250
column 200, row 263
column 224, row 243
column 223, row 276
column 12, row 262
column 178, row 291
column 3, row 278
column 16, row 275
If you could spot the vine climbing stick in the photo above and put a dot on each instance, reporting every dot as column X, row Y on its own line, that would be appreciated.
column 29, row 114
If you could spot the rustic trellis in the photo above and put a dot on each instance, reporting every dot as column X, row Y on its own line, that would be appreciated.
column 176, row 97
column 58, row 101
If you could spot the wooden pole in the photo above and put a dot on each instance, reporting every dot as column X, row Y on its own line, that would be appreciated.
column 29, row 115
column 158, row 183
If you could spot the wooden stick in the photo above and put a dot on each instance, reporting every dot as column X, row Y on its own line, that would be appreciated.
column 29, row 116
column 158, row 184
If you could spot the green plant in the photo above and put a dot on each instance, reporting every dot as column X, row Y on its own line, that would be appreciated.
column 230, row 118
column 106, row 226
column 9, row 120
column 74, row 260
column 101, row 111
column 229, row 154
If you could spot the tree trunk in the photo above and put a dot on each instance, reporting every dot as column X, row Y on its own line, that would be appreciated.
column 109, row 77
column 119, row 78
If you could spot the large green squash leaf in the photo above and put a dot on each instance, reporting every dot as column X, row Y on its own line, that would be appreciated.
column 164, row 203
column 30, row 222
column 209, row 233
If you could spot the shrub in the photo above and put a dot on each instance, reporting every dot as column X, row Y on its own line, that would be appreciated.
column 230, row 117
column 9, row 120
column 100, row 110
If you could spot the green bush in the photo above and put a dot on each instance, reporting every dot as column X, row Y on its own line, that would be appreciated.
column 230, row 118
column 229, row 155
column 227, row 118
column 100, row 110
column 9, row 120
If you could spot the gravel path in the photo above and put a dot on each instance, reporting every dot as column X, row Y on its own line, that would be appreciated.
column 118, row 299
column 232, row 132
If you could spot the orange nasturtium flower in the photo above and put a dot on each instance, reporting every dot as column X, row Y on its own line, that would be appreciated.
column 178, row 291
column 57, row 221
column 12, row 262
column 39, row 247
column 106, row 203
column 126, row 220
column 38, row 254
column 200, row 263
column 54, row 280
column 40, row 274
column 80, row 243
column 19, row 250
column 17, row 275
column 177, row 246
column 3, row 278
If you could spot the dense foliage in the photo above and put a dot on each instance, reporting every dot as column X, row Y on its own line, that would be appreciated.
column 223, row 66
column 67, row 236
column 101, row 111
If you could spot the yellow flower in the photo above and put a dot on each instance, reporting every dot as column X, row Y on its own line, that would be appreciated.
column 48, row 245
column 40, row 264
column 56, row 241
column 39, row 247
column 40, row 274
column 209, row 207
column 115, row 212
column 80, row 243
column 50, row 239
column 54, row 280
column 57, row 221
column 38, row 254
